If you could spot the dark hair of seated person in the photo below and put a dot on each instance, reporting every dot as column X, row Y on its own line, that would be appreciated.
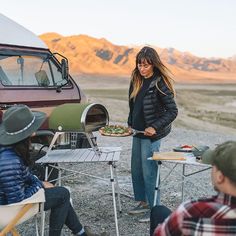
column 22, row 150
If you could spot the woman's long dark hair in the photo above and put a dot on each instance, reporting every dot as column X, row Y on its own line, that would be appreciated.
column 22, row 149
column 149, row 55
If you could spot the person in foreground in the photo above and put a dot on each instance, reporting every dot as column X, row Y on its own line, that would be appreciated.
column 17, row 183
column 152, row 110
column 210, row 216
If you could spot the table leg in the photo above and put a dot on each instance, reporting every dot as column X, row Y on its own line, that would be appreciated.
column 59, row 177
column 43, row 216
column 43, row 213
column 157, row 183
column 117, row 187
column 114, row 198
column 183, row 180
column 46, row 173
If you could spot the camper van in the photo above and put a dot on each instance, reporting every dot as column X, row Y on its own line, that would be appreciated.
column 31, row 74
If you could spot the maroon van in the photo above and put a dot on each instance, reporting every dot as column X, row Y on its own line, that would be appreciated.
column 31, row 74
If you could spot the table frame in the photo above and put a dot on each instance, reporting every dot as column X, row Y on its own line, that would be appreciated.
column 183, row 174
column 96, row 154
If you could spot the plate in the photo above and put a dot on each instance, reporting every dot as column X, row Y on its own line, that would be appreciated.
column 196, row 150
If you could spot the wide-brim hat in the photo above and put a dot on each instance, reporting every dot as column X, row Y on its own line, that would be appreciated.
column 18, row 123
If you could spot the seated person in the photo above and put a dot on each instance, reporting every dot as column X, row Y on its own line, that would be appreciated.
column 17, row 183
column 211, row 216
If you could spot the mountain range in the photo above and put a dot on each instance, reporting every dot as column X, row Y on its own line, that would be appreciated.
column 92, row 56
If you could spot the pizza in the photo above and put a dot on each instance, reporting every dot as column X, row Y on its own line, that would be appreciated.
column 115, row 131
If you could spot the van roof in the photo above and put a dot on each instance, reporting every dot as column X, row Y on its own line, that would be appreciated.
column 11, row 33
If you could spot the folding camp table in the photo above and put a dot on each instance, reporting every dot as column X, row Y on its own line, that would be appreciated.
column 95, row 154
column 176, row 158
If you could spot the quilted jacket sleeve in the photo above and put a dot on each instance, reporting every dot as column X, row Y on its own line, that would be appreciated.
column 32, row 183
column 16, row 182
column 130, row 106
column 170, row 109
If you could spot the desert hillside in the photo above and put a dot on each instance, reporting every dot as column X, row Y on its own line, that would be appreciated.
column 93, row 56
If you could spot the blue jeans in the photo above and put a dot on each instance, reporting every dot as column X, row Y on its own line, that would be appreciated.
column 58, row 201
column 144, row 171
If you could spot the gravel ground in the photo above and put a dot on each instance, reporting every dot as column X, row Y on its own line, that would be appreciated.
column 92, row 197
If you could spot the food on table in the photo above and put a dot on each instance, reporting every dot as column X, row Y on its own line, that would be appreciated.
column 187, row 147
column 184, row 148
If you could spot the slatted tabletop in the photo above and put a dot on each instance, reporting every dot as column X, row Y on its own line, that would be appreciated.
column 81, row 155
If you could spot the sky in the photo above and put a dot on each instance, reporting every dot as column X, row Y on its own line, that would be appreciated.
column 205, row 28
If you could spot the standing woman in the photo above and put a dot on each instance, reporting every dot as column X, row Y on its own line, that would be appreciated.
column 152, row 110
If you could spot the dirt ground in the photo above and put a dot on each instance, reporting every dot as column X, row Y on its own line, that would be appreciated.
column 206, row 117
column 211, row 107
column 201, row 106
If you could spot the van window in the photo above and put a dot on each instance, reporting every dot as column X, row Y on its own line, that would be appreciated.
column 57, row 76
column 25, row 71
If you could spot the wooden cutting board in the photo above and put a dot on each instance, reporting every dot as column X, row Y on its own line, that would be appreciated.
column 169, row 156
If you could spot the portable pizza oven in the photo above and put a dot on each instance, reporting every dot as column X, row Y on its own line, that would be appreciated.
column 78, row 117
column 73, row 119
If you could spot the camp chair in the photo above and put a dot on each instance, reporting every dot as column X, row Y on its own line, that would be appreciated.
column 14, row 214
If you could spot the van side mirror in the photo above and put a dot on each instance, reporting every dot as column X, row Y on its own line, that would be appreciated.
column 64, row 69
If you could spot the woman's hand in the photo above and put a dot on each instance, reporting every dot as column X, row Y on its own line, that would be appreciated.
column 130, row 129
column 47, row 184
column 150, row 131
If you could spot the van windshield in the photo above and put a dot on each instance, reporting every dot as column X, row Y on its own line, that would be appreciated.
column 27, row 70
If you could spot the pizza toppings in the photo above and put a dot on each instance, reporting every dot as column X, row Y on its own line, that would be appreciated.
column 186, row 146
column 115, row 130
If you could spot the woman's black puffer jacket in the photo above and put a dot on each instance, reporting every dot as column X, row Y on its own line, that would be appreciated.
column 159, row 108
